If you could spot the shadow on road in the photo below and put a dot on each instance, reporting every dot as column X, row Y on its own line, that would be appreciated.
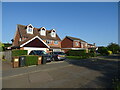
column 109, row 68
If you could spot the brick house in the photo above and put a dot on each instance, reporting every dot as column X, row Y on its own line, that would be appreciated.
column 73, row 43
column 91, row 45
column 31, row 38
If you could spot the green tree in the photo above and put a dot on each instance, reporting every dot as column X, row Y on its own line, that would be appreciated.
column 1, row 46
column 115, row 48
column 103, row 50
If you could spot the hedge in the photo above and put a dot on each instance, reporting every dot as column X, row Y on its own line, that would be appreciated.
column 19, row 52
column 31, row 60
column 81, row 53
column 76, row 52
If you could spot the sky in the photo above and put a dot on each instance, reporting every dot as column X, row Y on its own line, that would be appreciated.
column 93, row 22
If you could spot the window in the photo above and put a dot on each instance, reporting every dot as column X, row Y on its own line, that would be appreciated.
column 53, row 33
column 48, row 41
column 76, row 43
column 29, row 29
column 55, row 42
column 43, row 31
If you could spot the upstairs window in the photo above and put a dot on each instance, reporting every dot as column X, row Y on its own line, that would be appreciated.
column 53, row 33
column 30, row 29
column 55, row 42
column 76, row 43
column 43, row 31
column 48, row 41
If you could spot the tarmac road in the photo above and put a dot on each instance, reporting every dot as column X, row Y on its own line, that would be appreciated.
column 84, row 73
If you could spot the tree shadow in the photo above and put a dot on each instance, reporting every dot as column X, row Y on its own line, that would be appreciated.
column 109, row 68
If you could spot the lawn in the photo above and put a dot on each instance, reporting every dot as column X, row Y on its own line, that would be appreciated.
column 75, row 57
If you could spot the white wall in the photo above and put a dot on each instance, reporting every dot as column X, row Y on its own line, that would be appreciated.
column 33, row 48
column 56, row 50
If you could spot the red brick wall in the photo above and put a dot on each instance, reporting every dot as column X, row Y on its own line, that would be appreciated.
column 36, row 43
column 16, row 39
column 54, row 45
column 67, row 43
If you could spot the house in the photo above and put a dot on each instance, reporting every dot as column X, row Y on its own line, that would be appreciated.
column 73, row 43
column 31, row 38
column 91, row 45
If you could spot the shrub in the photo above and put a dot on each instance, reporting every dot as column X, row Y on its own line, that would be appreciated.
column 76, row 52
column 19, row 52
column 115, row 48
column 110, row 52
column 103, row 51
column 31, row 60
column 92, row 50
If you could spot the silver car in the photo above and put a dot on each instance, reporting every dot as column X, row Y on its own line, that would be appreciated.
column 57, row 56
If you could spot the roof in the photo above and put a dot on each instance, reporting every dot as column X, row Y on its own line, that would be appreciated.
column 23, row 33
column 73, row 38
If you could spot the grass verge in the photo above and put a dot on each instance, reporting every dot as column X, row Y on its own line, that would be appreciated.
column 76, row 57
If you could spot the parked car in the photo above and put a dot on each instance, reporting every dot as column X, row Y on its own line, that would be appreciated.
column 41, row 53
column 56, row 56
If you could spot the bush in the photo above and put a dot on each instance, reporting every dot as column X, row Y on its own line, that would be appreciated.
column 91, row 54
column 31, row 60
column 115, row 48
column 19, row 52
column 110, row 52
column 92, row 50
column 103, row 51
column 76, row 52
column 81, row 53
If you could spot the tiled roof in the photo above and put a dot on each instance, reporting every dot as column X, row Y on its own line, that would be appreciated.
column 73, row 38
column 23, row 33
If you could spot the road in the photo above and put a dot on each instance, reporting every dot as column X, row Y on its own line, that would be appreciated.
column 85, row 73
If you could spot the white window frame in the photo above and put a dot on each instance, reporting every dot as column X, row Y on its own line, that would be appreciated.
column 53, row 34
column 43, row 32
column 77, row 43
column 55, row 42
column 28, row 27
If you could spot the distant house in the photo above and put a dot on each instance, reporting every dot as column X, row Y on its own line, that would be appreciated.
column 91, row 46
column 73, row 43
column 31, row 38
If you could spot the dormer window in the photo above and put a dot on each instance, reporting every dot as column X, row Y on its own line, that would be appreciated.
column 43, row 31
column 30, row 29
column 53, row 33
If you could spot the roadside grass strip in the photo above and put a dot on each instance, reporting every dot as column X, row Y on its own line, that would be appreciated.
column 75, row 57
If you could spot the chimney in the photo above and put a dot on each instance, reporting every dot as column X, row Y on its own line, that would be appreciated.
column 94, row 44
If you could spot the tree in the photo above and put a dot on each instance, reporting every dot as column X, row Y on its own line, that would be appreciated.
column 1, row 46
column 103, row 50
column 115, row 48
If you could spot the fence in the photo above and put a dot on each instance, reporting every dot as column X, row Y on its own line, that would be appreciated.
column 7, row 55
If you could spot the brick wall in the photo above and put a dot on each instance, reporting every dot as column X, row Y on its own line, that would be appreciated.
column 67, row 43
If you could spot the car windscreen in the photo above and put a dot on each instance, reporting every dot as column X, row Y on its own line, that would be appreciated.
column 60, row 53
column 39, row 52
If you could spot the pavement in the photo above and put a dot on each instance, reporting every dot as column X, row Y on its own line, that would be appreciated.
column 85, row 73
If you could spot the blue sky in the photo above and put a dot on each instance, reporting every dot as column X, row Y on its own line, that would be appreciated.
column 94, row 22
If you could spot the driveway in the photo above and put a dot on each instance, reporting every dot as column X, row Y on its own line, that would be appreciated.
column 85, row 73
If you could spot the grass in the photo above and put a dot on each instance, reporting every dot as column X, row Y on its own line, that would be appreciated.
column 75, row 57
